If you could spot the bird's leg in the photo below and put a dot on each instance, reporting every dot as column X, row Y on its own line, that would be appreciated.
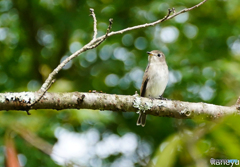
column 162, row 98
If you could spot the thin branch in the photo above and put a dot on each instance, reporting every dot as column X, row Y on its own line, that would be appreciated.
column 95, row 42
column 33, row 139
column 109, row 27
column 94, row 23
column 167, row 17
column 118, row 103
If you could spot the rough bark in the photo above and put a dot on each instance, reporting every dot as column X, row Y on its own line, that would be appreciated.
column 118, row 103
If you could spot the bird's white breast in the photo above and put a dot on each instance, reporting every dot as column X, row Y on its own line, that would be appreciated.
column 158, row 79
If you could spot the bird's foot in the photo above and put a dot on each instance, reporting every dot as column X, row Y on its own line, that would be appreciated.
column 162, row 98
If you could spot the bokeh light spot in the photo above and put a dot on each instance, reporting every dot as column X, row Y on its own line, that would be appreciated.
column 74, row 46
column 106, row 52
column 3, row 33
column 182, row 18
column 140, row 43
column 190, row 31
column 206, row 93
column 169, row 34
column 68, row 65
column 3, row 77
column 33, row 85
column 111, row 80
column 127, row 40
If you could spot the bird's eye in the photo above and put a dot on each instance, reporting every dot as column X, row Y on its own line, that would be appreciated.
column 159, row 55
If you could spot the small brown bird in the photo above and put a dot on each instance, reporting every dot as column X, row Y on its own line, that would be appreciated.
column 155, row 80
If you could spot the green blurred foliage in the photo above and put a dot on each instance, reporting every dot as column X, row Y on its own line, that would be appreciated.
column 202, row 49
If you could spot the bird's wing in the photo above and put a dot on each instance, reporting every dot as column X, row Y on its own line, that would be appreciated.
column 144, row 83
column 143, row 88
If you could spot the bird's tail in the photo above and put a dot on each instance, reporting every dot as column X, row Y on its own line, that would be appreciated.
column 141, row 118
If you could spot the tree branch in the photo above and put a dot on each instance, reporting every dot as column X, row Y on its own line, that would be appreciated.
column 118, row 103
column 94, row 23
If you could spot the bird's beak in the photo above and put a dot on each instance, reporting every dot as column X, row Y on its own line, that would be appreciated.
column 149, row 53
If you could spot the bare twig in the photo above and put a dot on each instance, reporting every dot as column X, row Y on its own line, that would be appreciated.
column 169, row 12
column 109, row 27
column 94, row 23
column 167, row 17
column 97, row 41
